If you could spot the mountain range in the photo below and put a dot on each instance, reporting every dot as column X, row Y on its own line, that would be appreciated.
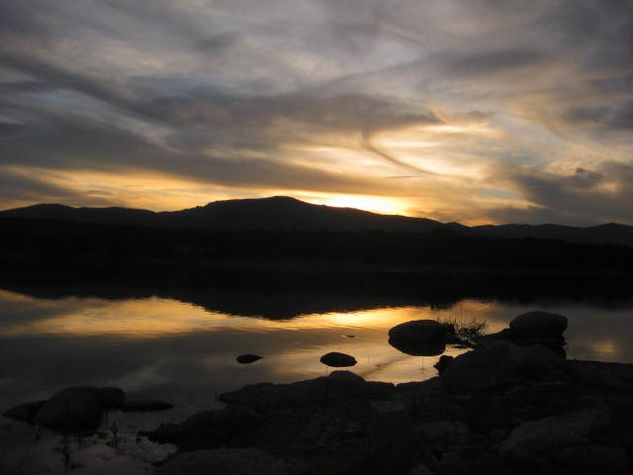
column 281, row 213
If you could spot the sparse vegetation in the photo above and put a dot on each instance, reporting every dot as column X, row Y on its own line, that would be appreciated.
column 468, row 330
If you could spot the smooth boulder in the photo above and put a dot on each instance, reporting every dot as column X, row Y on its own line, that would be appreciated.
column 338, row 360
column 420, row 337
column 483, row 368
column 144, row 405
column 538, row 325
column 73, row 409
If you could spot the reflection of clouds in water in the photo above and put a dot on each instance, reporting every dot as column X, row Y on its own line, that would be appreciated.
column 165, row 348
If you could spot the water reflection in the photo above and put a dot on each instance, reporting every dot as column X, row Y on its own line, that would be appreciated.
column 181, row 352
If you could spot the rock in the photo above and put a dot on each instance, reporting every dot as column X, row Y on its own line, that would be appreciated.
column 442, row 431
column 394, row 446
column 207, row 429
column 443, row 363
column 420, row 337
column 544, row 435
column 248, row 358
column 73, row 409
column 537, row 325
column 113, row 398
column 340, row 385
column 482, row 368
column 249, row 461
column 338, row 360
column 24, row 412
column 143, row 405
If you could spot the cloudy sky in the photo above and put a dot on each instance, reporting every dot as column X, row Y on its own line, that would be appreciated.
column 473, row 111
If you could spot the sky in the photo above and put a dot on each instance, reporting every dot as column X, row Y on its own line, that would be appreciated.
column 477, row 111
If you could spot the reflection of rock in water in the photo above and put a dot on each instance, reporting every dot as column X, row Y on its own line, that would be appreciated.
column 418, row 348
column 420, row 337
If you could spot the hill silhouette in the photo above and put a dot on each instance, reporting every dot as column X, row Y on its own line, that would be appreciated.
column 281, row 213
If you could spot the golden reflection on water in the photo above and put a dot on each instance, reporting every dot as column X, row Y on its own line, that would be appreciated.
column 292, row 347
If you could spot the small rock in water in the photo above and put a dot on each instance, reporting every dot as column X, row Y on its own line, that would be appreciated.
column 338, row 360
column 248, row 358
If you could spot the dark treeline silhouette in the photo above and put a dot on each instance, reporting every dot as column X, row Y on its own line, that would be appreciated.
column 281, row 213
column 39, row 242
column 282, row 274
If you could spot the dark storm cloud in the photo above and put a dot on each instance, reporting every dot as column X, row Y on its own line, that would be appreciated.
column 492, row 62
column 583, row 197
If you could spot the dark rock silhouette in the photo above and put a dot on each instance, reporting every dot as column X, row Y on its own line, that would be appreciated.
column 145, row 405
column 420, row 337
column 24, row 412
column 536, row 325
column 73, row 409
column 248, row 358
column 338, row 360
column 226, row 461
column 113, row 397
column 487, row 413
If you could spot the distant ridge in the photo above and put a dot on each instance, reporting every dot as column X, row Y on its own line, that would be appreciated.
column 282, row 213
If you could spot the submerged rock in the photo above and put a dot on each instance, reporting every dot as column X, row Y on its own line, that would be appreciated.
column 338, row 360
column 248, row 358
column 73, row 409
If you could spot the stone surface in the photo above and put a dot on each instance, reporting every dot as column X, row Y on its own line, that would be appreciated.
column 145, row 405
column 536, row 325
column 249, row 461
column 544, row 435
column 24, row 412
column 483, row 368
column 420, row 337
column 113, row 397
column 338, row 360
column 73, row 409
column 338, row 385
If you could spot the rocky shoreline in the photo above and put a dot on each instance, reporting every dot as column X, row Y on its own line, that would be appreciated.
column 513, row 404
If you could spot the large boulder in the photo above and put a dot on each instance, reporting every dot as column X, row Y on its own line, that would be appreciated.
column 483, row 368
column 538, row 325
column 249, row 461
column 146, row 405
column 338, row 360
column 73, row 409
column 340, row 385
column 113, row 397
column 420, row 337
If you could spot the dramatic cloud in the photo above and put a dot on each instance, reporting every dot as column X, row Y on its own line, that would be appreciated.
column 473, row 111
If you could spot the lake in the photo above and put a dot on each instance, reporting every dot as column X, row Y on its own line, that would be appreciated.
column 184, row 352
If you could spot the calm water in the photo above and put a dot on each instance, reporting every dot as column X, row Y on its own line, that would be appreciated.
column 166, row 348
